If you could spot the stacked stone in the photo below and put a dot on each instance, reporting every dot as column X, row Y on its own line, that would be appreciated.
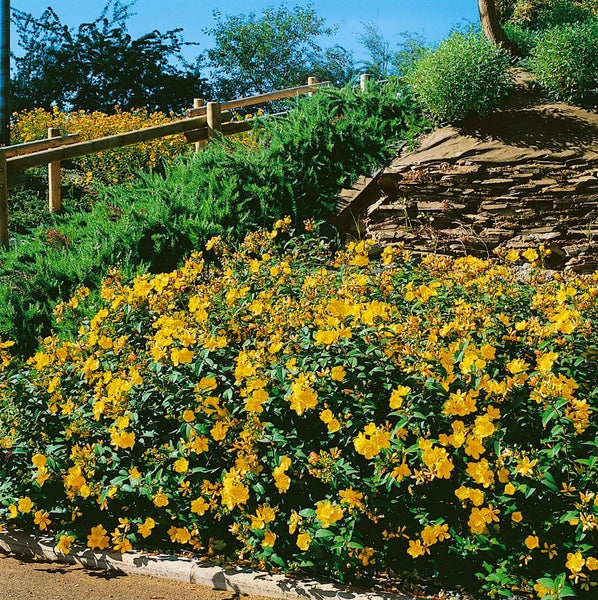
column 463, row 207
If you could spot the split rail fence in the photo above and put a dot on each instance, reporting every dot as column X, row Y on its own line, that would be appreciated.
column 203, row 122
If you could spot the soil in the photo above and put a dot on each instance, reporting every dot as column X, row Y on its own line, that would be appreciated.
column 27, row 579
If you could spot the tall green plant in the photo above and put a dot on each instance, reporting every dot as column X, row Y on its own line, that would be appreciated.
column 465, row 76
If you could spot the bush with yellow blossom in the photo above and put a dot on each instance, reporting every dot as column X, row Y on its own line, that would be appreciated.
column 111, row 166
column 285, row 405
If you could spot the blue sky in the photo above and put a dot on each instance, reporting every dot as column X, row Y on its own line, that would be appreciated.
column 431, row 18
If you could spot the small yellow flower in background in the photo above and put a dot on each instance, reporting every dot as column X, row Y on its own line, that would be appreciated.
column 510, row 489
column 160, row 499
column 145, row 528
column 512, row 256
column 134, row 473
column 525, row 466
column 398, row 396
column 38, row 460
column 303, row 541
column 181, row 465
column 544, row 362
column 532, row 542
column 338, row 373
column 42, row 520
column 530, row 254
column 98, row 538
column 25, row 505
column 179, row 534
column 269, row 539
column 188, row 416
column 121, row 544
column 516, row 517
column 64, row 543
column 592, row 563
column 517, row 365
column 328, row 513
column 575, row 562
column 416, row 548
column 199, row 506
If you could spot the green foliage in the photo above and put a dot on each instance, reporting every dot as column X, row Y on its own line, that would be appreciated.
column 279, row 48
column 465, row 76
column 106, row 66
column 290, row 406
column 525, row 39
column 565, row 62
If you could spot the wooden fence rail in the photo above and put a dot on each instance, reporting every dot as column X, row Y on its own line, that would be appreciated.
column 202, row 122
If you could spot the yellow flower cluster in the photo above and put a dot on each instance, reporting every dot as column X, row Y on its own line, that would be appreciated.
column 415, row 409
column 112, row 166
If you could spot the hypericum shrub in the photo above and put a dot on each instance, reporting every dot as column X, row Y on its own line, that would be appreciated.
column 289, row 406
column 465, row 76
column 111, row 166
column 565, row 62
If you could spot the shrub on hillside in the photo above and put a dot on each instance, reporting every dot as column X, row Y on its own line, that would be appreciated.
column 564, row 62
column 465, row 76
column 294, row 407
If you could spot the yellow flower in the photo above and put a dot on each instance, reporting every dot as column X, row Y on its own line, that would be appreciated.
column 575, row 562
column 371, row 441
column 181, row 465
column 530, row 254
column 38, row 460
column 338, row 373
column 145, row 528
column 41, row 520
column 269, row 539
column 98, row 538
column 199, row 506
column 179, row 534
column 517, row 517
column 517, row 365
column 525, row 466
column 531, row 542
column 25, row 505
column 64, row 543
column 303, row 541
column 188, row 416
column 416, row 548
column 234, row 492
column 328, row 513
column 398, row 396
column 160, row 499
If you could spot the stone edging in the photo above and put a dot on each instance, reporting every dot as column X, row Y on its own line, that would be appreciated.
column 237, row 580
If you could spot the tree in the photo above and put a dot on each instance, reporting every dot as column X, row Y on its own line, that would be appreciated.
column 382, row 60
column 492, row 27
column 99, row 65
column 257, row 54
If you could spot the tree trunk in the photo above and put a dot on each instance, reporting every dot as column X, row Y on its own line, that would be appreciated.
column 491, row 25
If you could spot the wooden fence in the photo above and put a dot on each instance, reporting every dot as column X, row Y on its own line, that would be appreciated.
column 202, row 122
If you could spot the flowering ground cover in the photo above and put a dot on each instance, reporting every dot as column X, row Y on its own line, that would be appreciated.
column 340, row 412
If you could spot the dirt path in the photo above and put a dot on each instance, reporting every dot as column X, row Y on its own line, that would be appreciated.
column 28, row 579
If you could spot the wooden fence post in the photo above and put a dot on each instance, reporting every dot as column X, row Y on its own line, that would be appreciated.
column 214, row 118
column 54, row 178
column 198, row 103
column 4, row 237
column 311, row 81
column 363, row 81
